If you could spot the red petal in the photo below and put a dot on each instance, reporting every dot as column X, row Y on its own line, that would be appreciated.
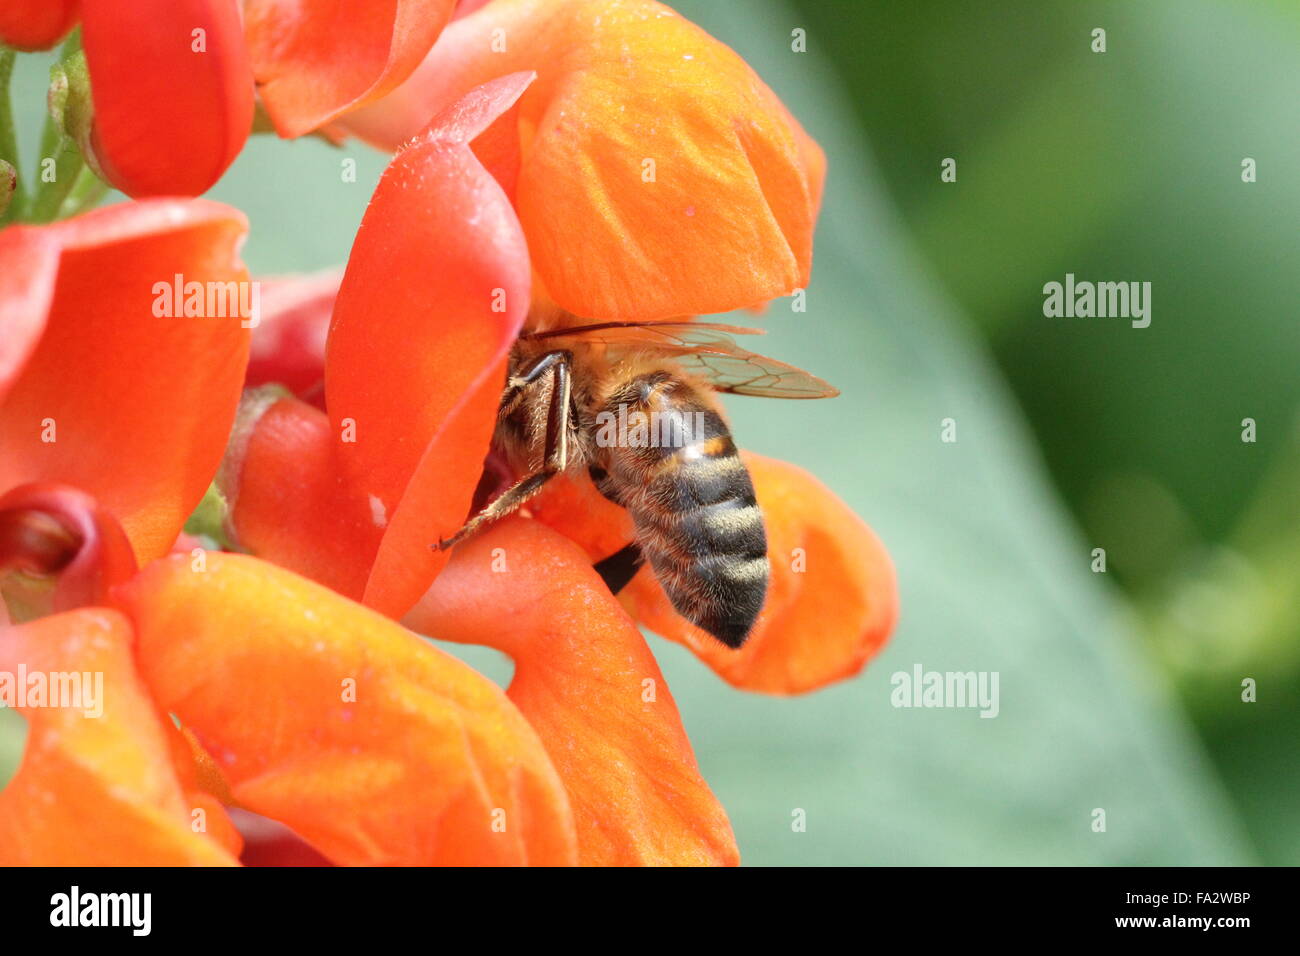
column 31, row 258
column 168, row 118
column 35, row 24
column 287, row 504
column 138, row 405
column 288, row 345
column 103, row 557
column 435, row 292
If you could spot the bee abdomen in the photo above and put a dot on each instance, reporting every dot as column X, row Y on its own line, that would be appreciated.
column 702, row 532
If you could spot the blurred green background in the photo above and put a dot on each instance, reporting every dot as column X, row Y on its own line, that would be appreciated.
column 1119, row 690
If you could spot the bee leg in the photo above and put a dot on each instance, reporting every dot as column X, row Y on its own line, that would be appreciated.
column 535, row 370
column 556, row 457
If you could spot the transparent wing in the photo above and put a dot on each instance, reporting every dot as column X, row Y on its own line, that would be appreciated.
column 748, row 373
column 704, row 349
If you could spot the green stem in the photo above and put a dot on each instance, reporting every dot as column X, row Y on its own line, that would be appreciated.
column 8, row 138
column 70, row 45
column 55, row 143
column 68, row 166
column 86, row 192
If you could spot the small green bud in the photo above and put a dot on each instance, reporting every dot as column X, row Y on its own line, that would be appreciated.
column 8, row 184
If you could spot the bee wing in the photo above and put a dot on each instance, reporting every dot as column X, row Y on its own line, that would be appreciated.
column 670, row 332
column 707, row 350
column 740, row 372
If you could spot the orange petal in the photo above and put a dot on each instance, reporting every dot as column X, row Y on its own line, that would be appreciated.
column 132, row 407
column 588, row 684
column 35, row 24
column 832, row 600
column 659, row 176
column 315, row 61
column 97, row 791
column 368, row 742
column 172, row 91
column 572, row 506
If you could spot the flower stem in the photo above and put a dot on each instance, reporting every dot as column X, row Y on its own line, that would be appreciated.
column 86, row 193
column 68, row 167
column 8, row 138
column 74, row 185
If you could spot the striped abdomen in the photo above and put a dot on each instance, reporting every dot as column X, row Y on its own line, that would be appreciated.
column 693, row 504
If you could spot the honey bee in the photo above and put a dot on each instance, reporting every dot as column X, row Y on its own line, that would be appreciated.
column 633, row 404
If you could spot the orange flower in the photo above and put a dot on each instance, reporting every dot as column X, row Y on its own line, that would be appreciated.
column 589, row 686
column 354, row 499
column 100, row 790
column 353, row 495
column 413, row 374
column 297, row 703
column 654, row 173
column 368, row 742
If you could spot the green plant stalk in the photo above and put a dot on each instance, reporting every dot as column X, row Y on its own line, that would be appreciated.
column 209, row 519
column 8, row 181
column 68, row 166
column 65, row 140
column 8, row 137
column 50, row 198
column 85, row 193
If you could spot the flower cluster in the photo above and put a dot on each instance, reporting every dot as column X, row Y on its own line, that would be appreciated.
column 603, row 157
